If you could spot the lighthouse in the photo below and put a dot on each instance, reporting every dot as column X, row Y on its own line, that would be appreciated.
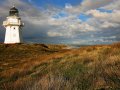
column 13, row 25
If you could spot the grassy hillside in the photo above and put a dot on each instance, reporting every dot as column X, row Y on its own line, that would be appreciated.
column 52, row 67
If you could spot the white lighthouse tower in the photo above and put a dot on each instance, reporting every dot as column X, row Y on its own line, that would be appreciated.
column 13, row 25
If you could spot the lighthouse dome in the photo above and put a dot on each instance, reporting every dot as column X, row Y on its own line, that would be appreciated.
column 13, row 11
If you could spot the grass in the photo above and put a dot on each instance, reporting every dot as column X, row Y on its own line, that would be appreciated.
column 52, row 67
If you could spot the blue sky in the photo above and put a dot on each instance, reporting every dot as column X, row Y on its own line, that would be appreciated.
column 60, row 3
column 66, row 21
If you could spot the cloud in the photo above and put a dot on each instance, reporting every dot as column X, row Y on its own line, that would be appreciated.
column 94, row 4
column 48, row 25
column 68, row 6
column 107, row 20
column 114, row 5
column 88, row 5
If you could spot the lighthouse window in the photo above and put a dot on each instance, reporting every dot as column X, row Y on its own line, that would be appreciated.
column 14, row 27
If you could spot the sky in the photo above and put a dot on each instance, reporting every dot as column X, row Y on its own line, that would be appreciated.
column 83, row 22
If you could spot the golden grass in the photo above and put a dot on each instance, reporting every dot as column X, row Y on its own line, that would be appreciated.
column 52, row 67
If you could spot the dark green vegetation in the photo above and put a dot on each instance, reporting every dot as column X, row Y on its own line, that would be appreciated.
column 52, row 67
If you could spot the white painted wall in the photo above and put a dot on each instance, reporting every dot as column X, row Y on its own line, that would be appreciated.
column 13, row 30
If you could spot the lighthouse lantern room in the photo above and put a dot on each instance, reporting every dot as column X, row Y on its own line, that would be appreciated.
column 13, row 25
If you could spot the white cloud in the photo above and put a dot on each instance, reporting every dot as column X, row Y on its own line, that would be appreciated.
column 41, row 22
column 97, row 14
column 113, row 16
column 104, row 19
column 89, row 5
column 68, row 6
column 54, row 34
column 93, row 4
column 114, row 5
column 107, row 24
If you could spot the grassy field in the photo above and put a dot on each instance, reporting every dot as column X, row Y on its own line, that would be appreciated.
column 52, row 67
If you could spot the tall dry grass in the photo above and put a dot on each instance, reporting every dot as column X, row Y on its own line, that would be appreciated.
column 87, row 68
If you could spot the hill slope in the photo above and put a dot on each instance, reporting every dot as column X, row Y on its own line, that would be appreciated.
column 51, row 67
